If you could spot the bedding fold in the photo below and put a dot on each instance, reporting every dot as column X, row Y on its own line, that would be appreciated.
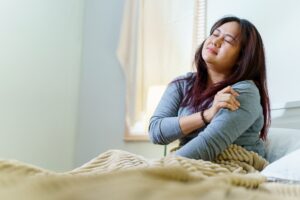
column 117, row 174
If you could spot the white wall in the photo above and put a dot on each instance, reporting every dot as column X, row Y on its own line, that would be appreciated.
column 39, row 80
column 102, row 96
column 277, row 21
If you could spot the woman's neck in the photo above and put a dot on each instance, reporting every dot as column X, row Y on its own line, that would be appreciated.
column 215, row 77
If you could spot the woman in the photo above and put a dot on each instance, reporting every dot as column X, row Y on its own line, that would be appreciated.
column 224, row 102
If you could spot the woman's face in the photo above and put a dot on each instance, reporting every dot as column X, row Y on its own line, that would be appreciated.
column 221, row 49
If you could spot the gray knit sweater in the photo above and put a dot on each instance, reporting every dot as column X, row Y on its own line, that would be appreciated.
column 239, row 127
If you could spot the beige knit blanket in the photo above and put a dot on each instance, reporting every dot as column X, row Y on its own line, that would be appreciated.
column 117, row 174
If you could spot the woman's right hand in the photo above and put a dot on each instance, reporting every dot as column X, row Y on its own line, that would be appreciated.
column 225, row 98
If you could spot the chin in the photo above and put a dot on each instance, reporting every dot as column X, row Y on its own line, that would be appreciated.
column 204, row 56
column 207, row 58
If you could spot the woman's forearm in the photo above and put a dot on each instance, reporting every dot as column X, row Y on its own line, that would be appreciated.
column 191, row 123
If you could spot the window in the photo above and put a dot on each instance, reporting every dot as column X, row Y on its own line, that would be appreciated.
column 157, row 43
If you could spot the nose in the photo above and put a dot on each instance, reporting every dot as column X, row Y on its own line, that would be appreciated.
column 217, row 42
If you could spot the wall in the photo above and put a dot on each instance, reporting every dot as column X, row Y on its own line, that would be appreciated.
column 277, row 22
column 39, row 79
column 102, row 96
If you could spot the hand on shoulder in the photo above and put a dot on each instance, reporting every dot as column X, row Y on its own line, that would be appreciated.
column 225, row 98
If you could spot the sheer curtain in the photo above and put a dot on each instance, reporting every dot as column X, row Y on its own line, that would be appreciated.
column 130, row 55
column 156, row 45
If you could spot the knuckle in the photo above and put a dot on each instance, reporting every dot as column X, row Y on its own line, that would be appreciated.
column 219, row 105
column 223, row 104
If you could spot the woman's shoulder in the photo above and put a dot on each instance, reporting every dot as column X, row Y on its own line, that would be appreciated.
column 249, row 96
column 185, row 77
column 248, row 92
column 183, row 82
column 246, row 85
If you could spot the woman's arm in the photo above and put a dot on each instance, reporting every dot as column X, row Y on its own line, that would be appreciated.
column 190, row 123
column 225, row 98
column 164, row 125
column 226, row 126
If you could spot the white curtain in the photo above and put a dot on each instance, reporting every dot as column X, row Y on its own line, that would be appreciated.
column 156, row 45
column 130, row 55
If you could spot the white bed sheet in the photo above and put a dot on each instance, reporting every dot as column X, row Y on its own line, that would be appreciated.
column 283, row 153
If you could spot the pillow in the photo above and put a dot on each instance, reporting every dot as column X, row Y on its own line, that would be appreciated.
column 286, row 168
column 280, row 142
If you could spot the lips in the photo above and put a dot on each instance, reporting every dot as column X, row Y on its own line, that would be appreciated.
column 212, row 50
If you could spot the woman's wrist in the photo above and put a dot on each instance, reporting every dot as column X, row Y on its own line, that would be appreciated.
column 205, row 122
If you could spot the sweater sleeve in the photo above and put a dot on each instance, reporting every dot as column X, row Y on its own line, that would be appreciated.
column 226, row 126
column 164, row 125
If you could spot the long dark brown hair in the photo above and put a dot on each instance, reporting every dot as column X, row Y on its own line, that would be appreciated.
column 250, row 65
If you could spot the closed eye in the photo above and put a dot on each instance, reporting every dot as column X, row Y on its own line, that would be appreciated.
column 216, row 33
column 227, row 37
column 229, row 40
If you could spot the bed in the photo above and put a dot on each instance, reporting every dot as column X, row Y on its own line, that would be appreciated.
column 116, row 174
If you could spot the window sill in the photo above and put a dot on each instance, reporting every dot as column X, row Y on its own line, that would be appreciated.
column 136, row 138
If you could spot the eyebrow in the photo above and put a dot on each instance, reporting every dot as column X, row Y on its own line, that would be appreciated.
column 226, row 34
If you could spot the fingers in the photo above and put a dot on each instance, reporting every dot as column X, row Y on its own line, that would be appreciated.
column 227, row 105
column 229, row 99
column 226, row 98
